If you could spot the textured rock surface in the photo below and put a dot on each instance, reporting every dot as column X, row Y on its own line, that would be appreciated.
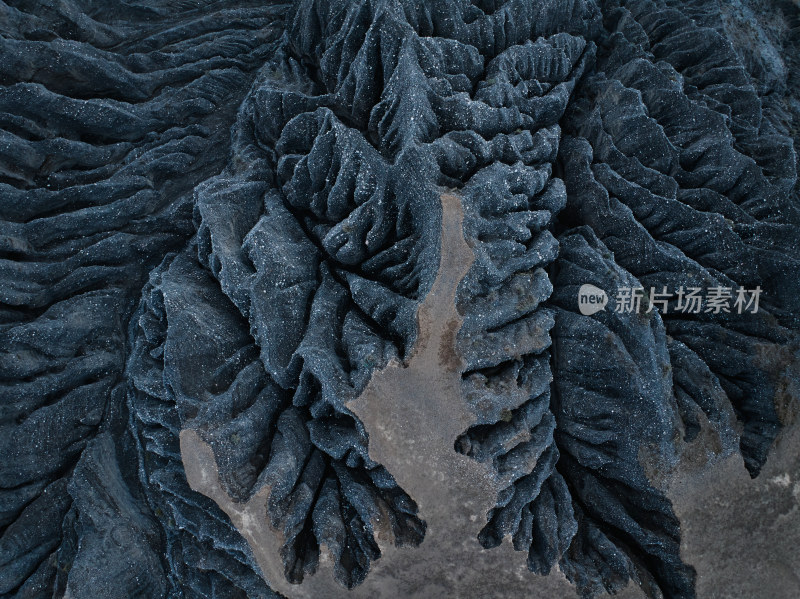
column 288, row 297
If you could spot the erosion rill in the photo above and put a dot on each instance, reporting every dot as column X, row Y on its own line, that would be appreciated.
column 414, row 412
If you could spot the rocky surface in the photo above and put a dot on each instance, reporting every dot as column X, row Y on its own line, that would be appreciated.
column 288, row 298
